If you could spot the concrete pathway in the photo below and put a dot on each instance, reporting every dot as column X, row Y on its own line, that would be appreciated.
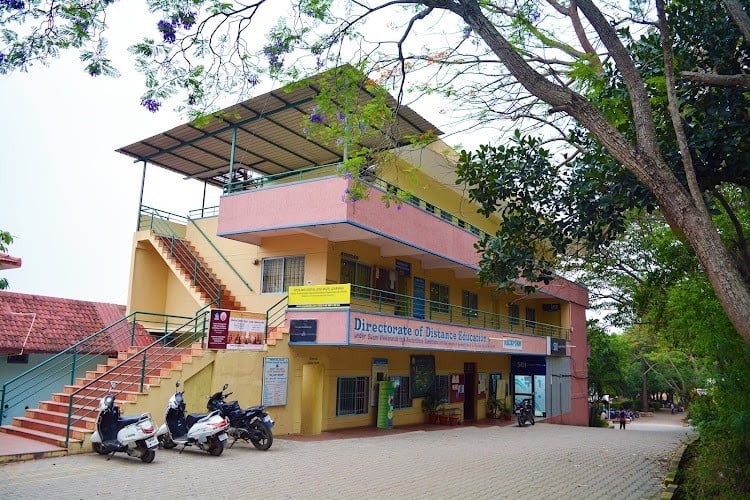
column 468, row 462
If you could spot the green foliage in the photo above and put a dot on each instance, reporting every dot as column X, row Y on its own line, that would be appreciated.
column 5, row 240
column 352, row 114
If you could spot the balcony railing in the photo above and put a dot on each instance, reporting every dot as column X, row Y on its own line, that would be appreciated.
column 331, row 170
column 371, row 299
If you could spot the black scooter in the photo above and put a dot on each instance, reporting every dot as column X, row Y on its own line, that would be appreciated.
column 252, row 424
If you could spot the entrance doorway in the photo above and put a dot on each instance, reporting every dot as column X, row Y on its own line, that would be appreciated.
column 312, row 399
column 470, row 391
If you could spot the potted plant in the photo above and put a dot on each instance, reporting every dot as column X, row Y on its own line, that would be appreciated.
column 493, row 407
column 431, row 406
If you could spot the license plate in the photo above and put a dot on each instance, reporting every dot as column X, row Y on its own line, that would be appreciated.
column 152, row 442
column 223, row 436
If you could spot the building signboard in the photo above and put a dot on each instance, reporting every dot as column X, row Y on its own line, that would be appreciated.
column 389, row 331
column 320, row 295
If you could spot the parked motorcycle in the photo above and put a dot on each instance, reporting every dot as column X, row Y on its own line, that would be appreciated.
column 135, row 436
column 524, row 412
column 252, row 424
column 207, row 431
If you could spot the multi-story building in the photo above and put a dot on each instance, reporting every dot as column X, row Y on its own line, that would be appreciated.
column 380, row 292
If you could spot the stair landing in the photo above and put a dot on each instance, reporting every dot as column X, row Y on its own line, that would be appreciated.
column 16, row 449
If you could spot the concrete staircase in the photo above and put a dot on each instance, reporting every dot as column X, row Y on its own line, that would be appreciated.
column 48, row 422
column 194, row 271
column 277, row 333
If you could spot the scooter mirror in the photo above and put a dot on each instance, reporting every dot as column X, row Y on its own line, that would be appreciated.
column 225, row 387
column 177, row 384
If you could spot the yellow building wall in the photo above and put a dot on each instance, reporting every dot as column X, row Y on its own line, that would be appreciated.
column 414, row 180
column 337, row 362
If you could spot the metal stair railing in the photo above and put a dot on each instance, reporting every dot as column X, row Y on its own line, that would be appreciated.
column 276, row 314
column 162, row 224
column 147, row 362
column 67, row 365
column 218, row 252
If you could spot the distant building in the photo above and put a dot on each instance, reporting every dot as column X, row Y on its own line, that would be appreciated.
column 33, row 328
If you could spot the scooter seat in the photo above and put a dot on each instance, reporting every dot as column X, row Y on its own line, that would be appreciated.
column 125, row 421
column 192, row 418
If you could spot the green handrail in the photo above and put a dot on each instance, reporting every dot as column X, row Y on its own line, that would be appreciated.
column 87, row 352
column 276, row 314
column 218, row 252
column 162, row 225
column 153, row 358
column 373, row 299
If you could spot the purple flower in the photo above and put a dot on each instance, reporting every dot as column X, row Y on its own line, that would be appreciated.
column 167, row 31
column 2, row 58
column 316, row 118
column 151, row 105
column 347, row 175
column 467, row 32
column 340, row 116
column 188, row 19
column 253, row 80
column 340, row 141
column 13, row 4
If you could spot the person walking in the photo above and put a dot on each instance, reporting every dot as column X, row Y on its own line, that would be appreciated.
column 623, row 419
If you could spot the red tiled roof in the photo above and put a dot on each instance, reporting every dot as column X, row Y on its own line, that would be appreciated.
column 49, row 324
column 9, row 262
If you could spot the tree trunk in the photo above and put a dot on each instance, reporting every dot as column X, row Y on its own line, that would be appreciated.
column 644, row 384
column 643, row 159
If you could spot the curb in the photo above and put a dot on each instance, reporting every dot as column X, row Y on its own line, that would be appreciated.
column 669, row 484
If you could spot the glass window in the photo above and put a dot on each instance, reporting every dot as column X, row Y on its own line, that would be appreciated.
column 439, row 298
column 442, row 384
column 514, row 311
column 469, row 304
column 401, row 395
column 530, row 317
column 279, row 273
column 358, row 274
column 351, row 395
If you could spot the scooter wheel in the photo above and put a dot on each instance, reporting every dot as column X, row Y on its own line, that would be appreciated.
column 216, row 447
column 148, row 456
column 99, row 448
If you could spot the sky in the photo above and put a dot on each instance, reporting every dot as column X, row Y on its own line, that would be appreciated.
column 69, row 200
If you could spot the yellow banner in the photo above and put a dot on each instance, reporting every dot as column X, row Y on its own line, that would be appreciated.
column 320, row 295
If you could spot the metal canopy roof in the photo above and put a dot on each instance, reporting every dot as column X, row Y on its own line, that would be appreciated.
column 270, row 137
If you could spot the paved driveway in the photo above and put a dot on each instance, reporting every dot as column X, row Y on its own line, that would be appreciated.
column 544, row 461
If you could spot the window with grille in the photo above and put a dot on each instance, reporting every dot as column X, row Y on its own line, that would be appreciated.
column 470, row 304
column 442, row 385
column 351, row 395
column 514, row 311
column 279, row 273
column 358, row 274
column 401, row 394
column 530, row 317
column 439, row 298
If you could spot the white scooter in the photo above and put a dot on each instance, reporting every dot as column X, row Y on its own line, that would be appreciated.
column 205, row 430
column 136, row 436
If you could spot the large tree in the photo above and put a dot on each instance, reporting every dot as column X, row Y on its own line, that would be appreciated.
column 534, row 61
